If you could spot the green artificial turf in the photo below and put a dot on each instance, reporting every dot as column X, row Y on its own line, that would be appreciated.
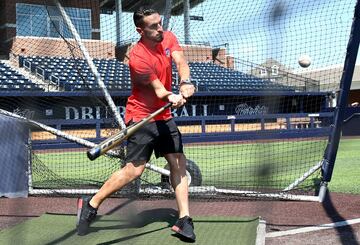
column 147, row 229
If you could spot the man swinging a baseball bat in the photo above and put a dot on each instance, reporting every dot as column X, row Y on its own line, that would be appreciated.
column 151, row 77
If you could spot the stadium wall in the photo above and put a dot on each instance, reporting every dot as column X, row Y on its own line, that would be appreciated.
column 230, row 117
column 8, row 19
column 16, row 45
column 34, row 46
column 79, row 105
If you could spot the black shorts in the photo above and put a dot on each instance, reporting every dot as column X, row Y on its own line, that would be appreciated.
column 160, row 137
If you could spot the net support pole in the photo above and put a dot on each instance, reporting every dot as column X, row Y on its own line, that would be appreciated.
column 91, row 64
column 303, row 177
column 345, row 84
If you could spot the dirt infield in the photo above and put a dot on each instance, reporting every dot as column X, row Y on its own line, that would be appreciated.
column 279, row 215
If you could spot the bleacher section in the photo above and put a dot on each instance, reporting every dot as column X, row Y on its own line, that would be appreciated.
column 11, row 80
column 211, row 77
column 74, row 75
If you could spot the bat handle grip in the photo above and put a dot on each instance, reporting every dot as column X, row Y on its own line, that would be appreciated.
column 168, row 105
column 93, row 153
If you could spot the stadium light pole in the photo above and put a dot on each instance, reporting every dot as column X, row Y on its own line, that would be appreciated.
column 226, row 45
column 167, row 14
column 187, row 21
column 345, row 84
column 118, row 9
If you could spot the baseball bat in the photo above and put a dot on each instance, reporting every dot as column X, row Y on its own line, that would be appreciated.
column 77, row 140
column 118, row 138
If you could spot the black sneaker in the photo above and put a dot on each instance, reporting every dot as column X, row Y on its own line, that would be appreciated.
column 85, row 215
column 185, row 227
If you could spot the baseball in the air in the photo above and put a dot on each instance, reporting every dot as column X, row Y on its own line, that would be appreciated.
column 304, row 60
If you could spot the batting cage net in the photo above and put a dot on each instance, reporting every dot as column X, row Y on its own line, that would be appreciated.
column 266, row 75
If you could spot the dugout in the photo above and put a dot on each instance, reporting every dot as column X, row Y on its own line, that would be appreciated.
column 206, row 117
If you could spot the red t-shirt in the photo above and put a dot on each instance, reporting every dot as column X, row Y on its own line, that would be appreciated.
column 146, row 65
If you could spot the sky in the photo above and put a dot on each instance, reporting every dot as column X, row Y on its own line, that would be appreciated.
column 256, row 30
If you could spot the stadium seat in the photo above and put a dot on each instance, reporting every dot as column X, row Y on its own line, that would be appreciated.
column 116, row 75
column 12, row 80
column 66, row 70
column 212, row 77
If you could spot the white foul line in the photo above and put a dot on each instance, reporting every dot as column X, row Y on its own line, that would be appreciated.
column 313, row 228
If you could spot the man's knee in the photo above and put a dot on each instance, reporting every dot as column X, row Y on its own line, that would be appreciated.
column 177, row 163
column 134, row 170
column 175, row 158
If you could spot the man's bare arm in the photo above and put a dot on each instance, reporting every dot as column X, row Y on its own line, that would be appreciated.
column 181, row 64
column 187, row 89
column 166, row 95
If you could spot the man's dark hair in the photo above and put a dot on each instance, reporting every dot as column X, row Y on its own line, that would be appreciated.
column 141, row 13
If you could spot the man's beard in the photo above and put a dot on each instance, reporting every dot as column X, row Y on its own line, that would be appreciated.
column 159, row 38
